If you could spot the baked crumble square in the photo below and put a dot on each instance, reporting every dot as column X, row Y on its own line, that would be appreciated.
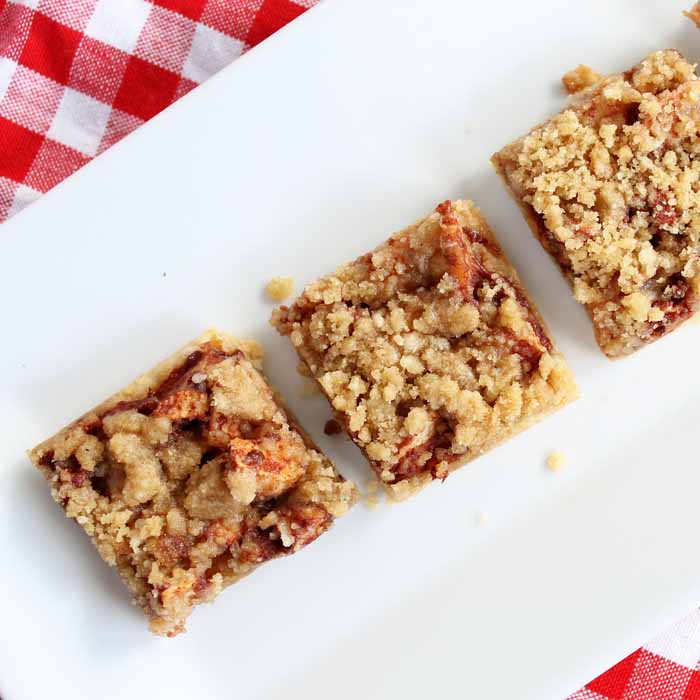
column 429, row 349
column 610, row 187
column 191, row 477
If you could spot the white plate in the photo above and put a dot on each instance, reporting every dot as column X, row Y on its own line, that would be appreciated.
column 340, row 129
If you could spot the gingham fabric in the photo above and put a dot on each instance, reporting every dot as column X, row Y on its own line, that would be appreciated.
column 76, row 76
column 667, row 668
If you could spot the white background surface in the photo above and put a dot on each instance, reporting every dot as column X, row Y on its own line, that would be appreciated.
column 308, row 151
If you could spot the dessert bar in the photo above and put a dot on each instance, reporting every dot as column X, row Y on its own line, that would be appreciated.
column 428, row 349
column 610, row 187
column 191, row 477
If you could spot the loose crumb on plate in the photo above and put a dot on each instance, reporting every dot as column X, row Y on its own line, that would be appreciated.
column 303, row 369
column 580, row 78
column 481, row 519
column 280, row 288
column 694, row 14
column 332, row 427
column 556, row 461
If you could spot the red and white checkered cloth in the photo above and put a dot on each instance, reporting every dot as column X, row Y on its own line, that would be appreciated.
column 667, row 668
column 76, row 76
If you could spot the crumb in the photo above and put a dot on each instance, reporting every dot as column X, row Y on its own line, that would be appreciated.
column 164, row 274
column 481, row 519
column 303, row 370
column 280, row 288
column 694, row 14
column 556, row 461
column 580, row 78
column 332, row 427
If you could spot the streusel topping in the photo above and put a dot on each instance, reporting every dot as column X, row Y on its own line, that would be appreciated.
column 428, row 348
column 190, row 480
column 614, row 185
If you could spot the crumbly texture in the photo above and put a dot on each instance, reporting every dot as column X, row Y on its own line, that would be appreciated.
column 580, row 78
column 191, row 477
column 694, row 14
column 280, row 288
column 556, row 461
column 428, row 349
column 611, row 187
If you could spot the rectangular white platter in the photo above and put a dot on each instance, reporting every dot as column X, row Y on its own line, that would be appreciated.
column 342, row 128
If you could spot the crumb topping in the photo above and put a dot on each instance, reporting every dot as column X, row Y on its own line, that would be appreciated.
column 612, row 184
column 190, row 485
column 428, row 347
column 280, row 288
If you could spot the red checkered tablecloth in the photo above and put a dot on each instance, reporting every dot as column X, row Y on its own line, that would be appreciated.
column 76, row 76
column 667, row 668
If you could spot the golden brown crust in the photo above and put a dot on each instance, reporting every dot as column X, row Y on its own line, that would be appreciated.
column 610, row 188
column 428, row 349
column 192, row 476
